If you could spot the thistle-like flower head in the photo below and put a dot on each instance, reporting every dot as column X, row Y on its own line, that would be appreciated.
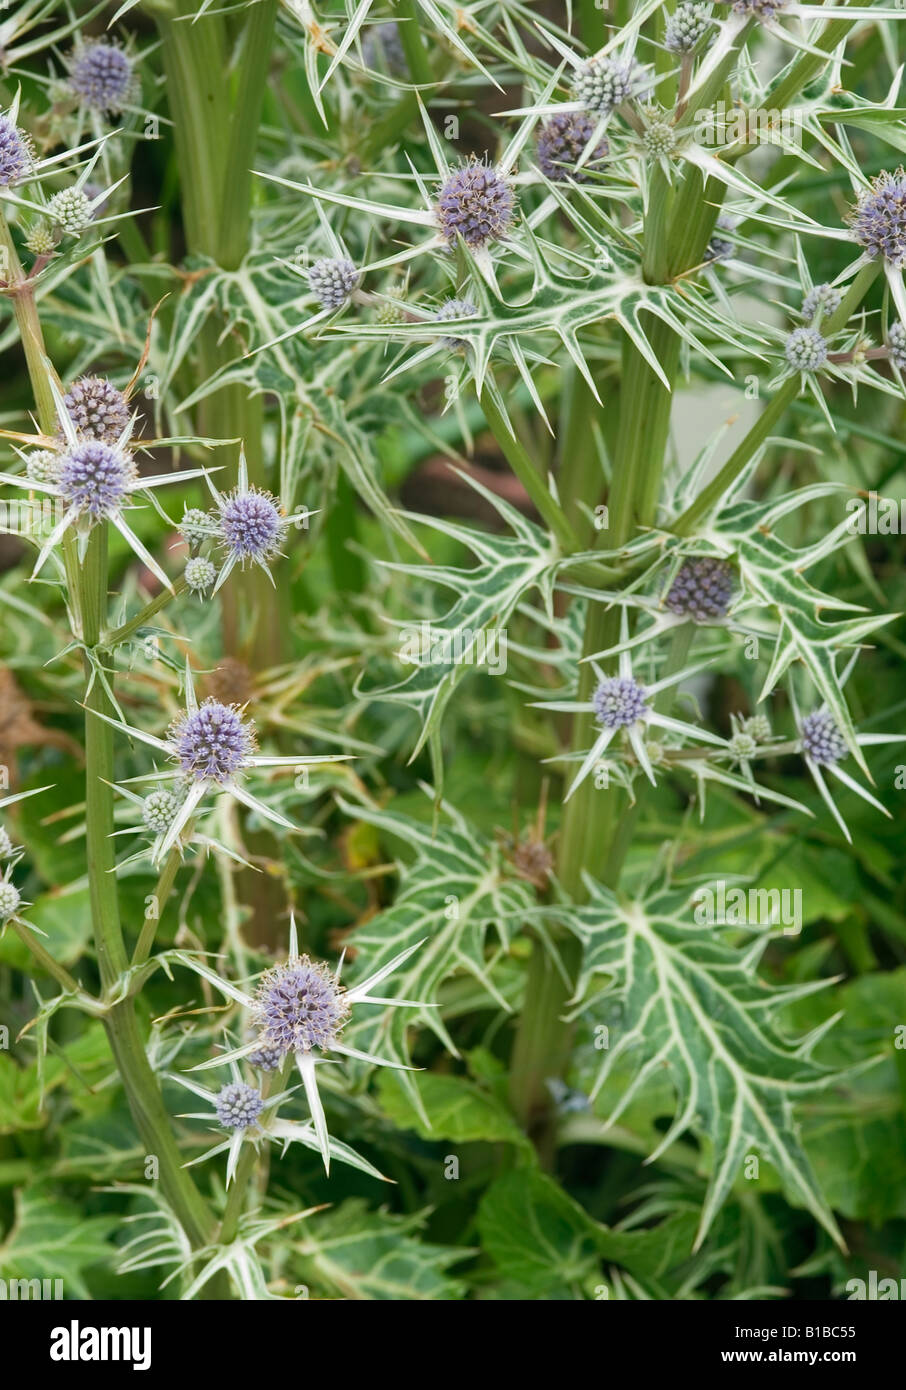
column 6, row 844
column 659, row 139
column 10, row 898
column 821, row 739
column 686, row 27
column 100, row 76
column 252, row 525
column 332, row 281
column 820, row 302
column 159, row 809
column 702, row 589
column 761, row 9
column 757, row 726
column 896, row 344
column 97, row 409
column 212, row 742
column 43, row 466
column 300, row 1006
column 879, row 219
column 70, row 210
column 805, row 350
column 238, row 1106
column 455, row 309
column 561, row 141
column 15, row 155
column 476, row 203
column 620, row 701
column 266, row 1058
column 196, row 525
column 602, row 84
column 95, row 478
column 200, row 574
column 41, row 239
column 743, row 746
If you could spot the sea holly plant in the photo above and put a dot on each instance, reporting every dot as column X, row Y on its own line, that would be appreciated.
column 449, row 606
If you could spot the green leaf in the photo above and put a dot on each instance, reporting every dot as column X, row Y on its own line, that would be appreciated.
column 455, row 1109
column 52, row 1239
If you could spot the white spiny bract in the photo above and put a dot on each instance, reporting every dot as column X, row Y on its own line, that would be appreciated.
column 564, row 329
column 298, row 1011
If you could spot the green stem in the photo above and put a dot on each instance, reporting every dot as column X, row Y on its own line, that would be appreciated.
column 523, row 466
column 145, row 1102
column 152, row 918
column 113, row 639
column 44, row 959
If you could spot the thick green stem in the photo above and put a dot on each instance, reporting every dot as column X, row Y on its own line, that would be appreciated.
column 142, row 1090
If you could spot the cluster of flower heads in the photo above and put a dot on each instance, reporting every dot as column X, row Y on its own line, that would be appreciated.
column 561, row 142
column 298, row 1011
column 702, row 589
column 210, row 748
column 878, row 221
column 475, row 203
column 100, row 76
column 245, row 526
column 92, row 468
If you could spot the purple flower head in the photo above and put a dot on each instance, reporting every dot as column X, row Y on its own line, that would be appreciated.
column 806, row 350
column 619, row 701
column 10, row 898
column 15, row 156
column 266, row 1058
column 821, row 739
column 382, row 47
column 879, row 220
column 702, row 589
column 100, row 75
column 96, row 478
column 761, row 9
column 332, row 281
column 561, row 141
column 97, row 409
column 300, row 1006
column 252, row 525
column 212, row 742
column 238, row 1106
column 686, row 26
column 896, row 345
column 159, row 809
column 602, row 84
column 455, row 309
column 820, row 302
column 476, row 203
